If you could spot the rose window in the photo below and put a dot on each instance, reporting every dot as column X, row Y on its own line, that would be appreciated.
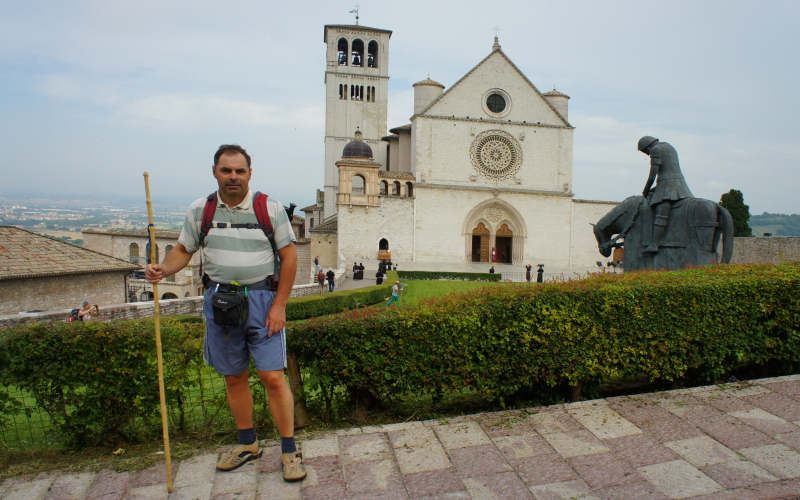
column 496, row 154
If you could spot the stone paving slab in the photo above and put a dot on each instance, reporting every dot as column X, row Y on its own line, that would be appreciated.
column 731, row 441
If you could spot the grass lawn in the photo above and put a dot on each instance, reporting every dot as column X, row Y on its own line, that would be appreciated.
column 417, row 290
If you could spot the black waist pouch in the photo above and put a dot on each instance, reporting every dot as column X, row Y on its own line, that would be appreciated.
column 230, row 308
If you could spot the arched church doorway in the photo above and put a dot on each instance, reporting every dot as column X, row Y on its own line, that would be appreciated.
column 383, row 250
column 494, row 231
column 169, row 295
column 480, row 243
column 503, row 242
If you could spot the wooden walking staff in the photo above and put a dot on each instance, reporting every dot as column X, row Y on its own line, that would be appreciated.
column 164, row 427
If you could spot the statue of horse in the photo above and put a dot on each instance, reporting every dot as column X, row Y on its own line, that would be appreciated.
column 691, row 239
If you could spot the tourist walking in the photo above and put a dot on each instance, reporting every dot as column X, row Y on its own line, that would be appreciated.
column 331, row 276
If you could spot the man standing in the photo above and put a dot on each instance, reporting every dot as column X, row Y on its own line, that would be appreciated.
column 237, row 254
column 671, row 187
column 330, row 277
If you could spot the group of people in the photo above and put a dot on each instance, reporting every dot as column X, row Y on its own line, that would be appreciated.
column 321, row 276
column 528, row 267
column 383, row 266
column 539, row 273
column 358, row 271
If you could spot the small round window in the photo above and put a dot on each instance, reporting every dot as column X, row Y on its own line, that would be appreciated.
column 496, row 103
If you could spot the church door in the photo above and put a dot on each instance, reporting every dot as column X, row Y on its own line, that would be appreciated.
column 503, row 242
column 480, row 243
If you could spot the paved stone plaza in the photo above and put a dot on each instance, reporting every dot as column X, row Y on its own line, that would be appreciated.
column 737, row 441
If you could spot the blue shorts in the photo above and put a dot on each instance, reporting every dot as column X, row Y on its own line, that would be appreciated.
column 229, row 353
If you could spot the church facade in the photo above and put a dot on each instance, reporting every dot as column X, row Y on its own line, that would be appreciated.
column 480, row 176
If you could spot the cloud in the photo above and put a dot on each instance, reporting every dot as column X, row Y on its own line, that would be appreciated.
column 607, row 165
column 401, row 107
column 202, row 111
column 184, row 111
column 61, row 87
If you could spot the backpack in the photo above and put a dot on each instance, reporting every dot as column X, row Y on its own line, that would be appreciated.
column 264, row 223
column 73, row 315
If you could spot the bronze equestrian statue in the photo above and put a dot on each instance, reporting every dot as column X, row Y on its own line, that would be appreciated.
column 667, row 228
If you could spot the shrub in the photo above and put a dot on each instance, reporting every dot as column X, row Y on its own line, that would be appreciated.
column 504, row 339
column 98, row 381
column 329, row 303
column 445, row 275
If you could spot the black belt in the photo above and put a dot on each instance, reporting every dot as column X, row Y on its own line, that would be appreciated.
column 266, row 284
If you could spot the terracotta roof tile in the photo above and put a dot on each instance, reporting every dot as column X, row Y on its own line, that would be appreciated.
column 25, row 254
column 161, row 233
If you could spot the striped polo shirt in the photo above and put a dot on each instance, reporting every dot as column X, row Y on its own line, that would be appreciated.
column 236, row 254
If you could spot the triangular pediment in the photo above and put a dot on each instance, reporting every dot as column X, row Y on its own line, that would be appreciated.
column 467, row 97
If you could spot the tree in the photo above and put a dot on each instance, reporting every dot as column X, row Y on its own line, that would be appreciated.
column 733, row 201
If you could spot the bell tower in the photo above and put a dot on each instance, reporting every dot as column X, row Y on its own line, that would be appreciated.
column 356, row 96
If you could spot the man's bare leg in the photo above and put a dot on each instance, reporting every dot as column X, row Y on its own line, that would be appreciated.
column 281, row 401
column 240, row 399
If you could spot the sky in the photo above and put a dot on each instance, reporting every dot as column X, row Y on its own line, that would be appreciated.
column 95, row 93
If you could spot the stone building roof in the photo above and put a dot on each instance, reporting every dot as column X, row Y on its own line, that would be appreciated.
column 357, row 27
column 556, row 93
column 428, row 81
column 25, row 254
column 495, row 49
column 171, row 234
column 357, row 149
column 406, row 176
column 329, row 226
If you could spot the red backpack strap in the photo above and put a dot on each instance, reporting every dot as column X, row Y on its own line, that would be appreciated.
column 262, row 214
column 208, row 217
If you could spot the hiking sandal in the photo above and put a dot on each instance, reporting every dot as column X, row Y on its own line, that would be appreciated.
column 238, row 456
column 292, row 465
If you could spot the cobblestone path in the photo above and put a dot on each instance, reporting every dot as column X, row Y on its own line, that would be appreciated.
column 737, row 441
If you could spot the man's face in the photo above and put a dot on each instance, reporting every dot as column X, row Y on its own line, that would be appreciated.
column 233, row 175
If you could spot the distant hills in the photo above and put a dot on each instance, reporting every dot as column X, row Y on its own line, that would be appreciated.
column 775, row 224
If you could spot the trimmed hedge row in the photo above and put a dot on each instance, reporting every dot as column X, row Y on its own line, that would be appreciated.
column 506, row 339
column 312, row 306
column 97, row 381
column 444, row 275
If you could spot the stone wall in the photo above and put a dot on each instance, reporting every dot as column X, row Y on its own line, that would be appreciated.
column 325, row 246
column 304, row 262
column 584, row 253
column 61, row 291
column 763, row 249
column 186, row 306
column 361, row 229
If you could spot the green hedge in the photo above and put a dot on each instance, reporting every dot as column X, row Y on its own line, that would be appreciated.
column 506, row 339
column 444, row 275
column 98, row 381
column 312, row 306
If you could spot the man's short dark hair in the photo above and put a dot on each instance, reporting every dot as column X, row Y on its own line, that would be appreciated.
column 231, row 148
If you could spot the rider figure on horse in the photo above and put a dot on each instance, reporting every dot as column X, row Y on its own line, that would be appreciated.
column 671, row 187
